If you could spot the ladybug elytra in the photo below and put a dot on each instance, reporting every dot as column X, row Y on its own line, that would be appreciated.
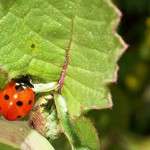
column 16, row 100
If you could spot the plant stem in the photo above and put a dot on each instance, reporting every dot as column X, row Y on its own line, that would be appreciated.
column 19, row 135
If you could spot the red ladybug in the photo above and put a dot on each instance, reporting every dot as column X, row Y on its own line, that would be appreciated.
column 16, row 100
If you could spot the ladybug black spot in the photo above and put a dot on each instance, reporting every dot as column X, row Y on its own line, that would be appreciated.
column 6, row 97
column 19, row 87
column 30, row 101
column 19, row 103
column 19, row 116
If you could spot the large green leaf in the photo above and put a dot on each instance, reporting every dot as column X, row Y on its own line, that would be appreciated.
column 72, row 42
column 39, row 36
column 92, row 56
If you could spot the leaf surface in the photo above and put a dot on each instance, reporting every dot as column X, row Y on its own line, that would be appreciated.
column 71, row 42
column 93, row 53
column 80, row 132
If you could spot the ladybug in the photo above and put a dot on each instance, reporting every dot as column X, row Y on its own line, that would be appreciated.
column 16, row 100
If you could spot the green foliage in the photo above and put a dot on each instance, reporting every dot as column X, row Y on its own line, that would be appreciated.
column 31, row 40
column 75, row 129
column 34, row 42
column 92, row 57
column 43, row 38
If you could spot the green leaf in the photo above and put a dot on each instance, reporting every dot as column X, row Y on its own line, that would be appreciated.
column 80, row 132
column 71, row 42
column 40, row 37
column 93, row 53
column 33, row 38
column 19, row 135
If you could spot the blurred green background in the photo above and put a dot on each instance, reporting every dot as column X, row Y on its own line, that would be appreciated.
column 127, row 125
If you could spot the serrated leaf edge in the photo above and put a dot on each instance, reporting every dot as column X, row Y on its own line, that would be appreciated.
column 118, row 55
